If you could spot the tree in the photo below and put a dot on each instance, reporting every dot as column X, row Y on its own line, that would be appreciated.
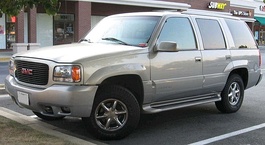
column 13, row 7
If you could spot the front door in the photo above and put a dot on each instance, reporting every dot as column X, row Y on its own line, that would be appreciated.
column 177, row 74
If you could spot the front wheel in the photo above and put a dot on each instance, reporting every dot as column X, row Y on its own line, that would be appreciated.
column 115, row 113
column 232, row 95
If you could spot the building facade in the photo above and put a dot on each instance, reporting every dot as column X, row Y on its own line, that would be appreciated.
column 77, row 17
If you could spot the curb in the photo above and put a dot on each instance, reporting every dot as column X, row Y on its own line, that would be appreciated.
column 2, row 89
column 4, row 59
column 42, row 127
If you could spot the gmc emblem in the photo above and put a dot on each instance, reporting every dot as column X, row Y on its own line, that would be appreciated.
column 26, row 71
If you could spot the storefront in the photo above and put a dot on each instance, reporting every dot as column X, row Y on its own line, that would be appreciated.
column 7, row 31
column 76, row 18
column 10, row 31
column 259, row 27
column 63, row 29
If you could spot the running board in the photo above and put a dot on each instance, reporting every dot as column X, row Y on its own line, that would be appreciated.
column 179, row 103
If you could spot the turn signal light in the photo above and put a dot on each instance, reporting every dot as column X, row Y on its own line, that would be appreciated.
column 76, row 76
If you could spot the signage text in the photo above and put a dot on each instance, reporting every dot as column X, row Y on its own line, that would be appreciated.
column 216, row 5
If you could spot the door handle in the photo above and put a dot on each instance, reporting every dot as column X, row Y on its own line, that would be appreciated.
column 198, row 59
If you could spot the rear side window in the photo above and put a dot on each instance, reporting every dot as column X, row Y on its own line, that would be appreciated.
column 211, row 32
column 241, row 34
column 178, row 30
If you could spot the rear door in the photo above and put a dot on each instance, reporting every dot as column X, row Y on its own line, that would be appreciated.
column 177, row 74
column 216, row 56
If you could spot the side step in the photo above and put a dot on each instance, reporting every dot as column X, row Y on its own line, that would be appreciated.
column 179, row 103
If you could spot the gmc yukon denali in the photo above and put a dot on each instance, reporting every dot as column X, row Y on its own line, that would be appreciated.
column 137, row 63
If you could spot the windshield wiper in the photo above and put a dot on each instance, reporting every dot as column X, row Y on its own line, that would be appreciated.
column 83, row 39
column 115, row 40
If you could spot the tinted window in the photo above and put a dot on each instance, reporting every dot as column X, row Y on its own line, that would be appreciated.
column 241, row 34
column 178, row 30
column 212, row 35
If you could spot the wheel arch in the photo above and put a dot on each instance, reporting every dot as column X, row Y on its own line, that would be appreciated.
column 243, row 73
column 131, row 82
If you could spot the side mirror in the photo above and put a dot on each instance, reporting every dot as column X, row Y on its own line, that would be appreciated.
column 166, row 46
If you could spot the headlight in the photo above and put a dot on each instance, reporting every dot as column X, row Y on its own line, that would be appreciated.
column 67, row 73
column 12, row 67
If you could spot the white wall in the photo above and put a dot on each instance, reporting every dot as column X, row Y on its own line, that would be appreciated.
column 3, row 36
column 44, row 30
column 26, row 28
column 95, row 20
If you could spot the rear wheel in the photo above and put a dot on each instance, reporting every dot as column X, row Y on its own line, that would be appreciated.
column 115, row 113
column 232, row 95
column 49, row 118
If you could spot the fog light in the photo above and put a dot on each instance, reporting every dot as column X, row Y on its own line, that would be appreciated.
column 65, row 109
column 48, row 109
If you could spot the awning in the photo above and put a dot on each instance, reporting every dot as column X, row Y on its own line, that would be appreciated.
column 261, row 20
column 144, row 3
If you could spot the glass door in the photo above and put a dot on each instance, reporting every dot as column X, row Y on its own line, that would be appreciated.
column 63, row 29
column 10, row 31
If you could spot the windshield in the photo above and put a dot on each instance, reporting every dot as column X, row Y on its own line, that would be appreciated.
column 134, row 31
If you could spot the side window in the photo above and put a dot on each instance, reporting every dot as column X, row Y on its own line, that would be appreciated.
column 211, row 33
column 178, row 30
column 241, row 34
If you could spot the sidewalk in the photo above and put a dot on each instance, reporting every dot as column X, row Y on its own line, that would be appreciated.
column 45, row 127
column 5, row 55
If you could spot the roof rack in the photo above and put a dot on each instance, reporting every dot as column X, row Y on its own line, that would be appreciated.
column 208, row 13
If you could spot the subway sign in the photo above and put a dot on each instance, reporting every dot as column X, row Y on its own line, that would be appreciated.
column 216, row 5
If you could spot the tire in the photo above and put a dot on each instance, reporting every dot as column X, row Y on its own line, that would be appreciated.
column 232, row 95
column 115, row 113
column 48, row 118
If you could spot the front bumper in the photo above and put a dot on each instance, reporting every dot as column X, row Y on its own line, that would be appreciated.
column 62, row 99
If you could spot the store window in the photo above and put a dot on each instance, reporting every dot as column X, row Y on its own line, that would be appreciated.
column 10, row 31
column 63, row 29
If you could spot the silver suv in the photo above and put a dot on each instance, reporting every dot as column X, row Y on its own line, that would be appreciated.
column 138, row 63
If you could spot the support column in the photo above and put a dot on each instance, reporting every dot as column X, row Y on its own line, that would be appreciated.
column 82, row 19
column 32, row 25
column 20, row 27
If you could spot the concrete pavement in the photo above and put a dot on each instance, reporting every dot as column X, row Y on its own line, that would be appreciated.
column 43, row 127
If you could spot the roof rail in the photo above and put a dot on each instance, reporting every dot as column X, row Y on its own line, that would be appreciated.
column 168, row 10
column 208, row 13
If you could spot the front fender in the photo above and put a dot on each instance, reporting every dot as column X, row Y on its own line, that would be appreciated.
column 115, row 70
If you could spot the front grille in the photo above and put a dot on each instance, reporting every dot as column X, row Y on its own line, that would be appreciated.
column 32, row 72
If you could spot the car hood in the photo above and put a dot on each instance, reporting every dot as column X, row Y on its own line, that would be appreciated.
column 78, row 51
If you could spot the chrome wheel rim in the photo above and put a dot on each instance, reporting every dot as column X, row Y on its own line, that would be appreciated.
column 234, row 93
column 111, row 115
